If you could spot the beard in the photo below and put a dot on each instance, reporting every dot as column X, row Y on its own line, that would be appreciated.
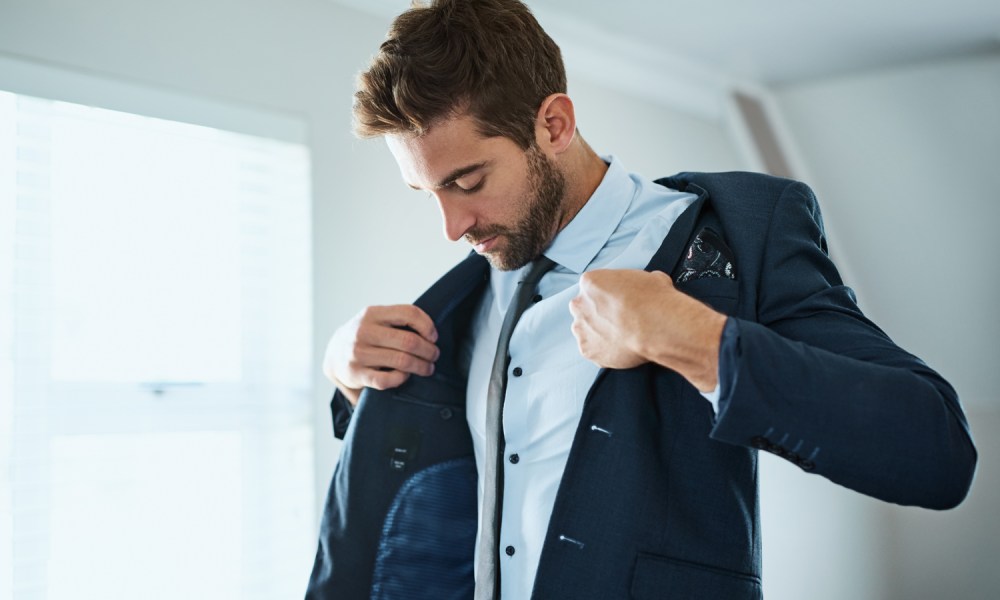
column 536, row 226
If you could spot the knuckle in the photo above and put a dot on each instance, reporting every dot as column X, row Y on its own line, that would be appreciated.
column 354, row 357
column 367, row 315
column 406, row 312
column 382, row 380
column 408, row 342
column 391, row 379
column 401, row 362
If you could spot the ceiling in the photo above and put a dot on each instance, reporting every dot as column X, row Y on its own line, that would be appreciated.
column 770, row 41
column 691, row 55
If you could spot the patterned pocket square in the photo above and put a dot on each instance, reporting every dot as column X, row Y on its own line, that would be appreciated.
column 708, row 256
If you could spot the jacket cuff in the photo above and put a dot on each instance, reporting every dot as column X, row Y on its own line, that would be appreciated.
column 729, row 358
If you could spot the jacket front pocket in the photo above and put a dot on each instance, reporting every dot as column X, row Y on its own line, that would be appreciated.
column 659, row 577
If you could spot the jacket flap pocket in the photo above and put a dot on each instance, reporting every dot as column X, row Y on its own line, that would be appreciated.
column 664, row 577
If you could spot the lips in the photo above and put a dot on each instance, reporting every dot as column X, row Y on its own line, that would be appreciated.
column 485, row 245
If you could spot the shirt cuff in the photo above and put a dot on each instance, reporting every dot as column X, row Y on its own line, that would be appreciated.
column 713, row 397
column 728, row 357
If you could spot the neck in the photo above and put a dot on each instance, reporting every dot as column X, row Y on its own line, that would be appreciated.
column 584, row 170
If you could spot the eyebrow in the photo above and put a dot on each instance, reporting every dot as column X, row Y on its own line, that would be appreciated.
column 456, row 174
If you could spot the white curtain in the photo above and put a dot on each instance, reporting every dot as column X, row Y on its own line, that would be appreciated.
column 155, row 339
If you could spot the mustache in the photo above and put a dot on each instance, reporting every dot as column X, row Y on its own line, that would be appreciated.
column 475, row 236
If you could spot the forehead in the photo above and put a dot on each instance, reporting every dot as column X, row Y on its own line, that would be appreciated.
column 448, row 145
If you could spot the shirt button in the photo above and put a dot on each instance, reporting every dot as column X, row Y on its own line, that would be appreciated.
column 517, row 371
column 510, row 550
column 514, row 459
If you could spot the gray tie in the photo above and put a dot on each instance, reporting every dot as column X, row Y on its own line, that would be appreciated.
column 488, row 578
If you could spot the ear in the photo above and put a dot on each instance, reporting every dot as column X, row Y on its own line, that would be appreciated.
column 555, row 124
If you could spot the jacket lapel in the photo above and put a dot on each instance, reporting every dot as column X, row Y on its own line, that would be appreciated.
column 667, row 256
column 455, row 286
column 450, row 303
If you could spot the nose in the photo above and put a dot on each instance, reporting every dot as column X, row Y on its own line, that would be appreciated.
column 457, row 219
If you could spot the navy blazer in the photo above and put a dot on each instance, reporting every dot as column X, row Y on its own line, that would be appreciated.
column 659, row 496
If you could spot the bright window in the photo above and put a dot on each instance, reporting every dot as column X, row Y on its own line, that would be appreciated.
column 155, row 340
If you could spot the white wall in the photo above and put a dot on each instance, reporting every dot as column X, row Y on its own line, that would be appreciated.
column 650, row 139
column 907, row 165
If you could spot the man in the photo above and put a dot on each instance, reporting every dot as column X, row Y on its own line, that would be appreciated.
column 683, row 325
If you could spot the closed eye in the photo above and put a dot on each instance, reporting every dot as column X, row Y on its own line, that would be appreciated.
column 454, row 185
column 472, row 189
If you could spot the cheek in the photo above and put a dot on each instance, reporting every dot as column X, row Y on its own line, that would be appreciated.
column 516, row 203
column 495, row 208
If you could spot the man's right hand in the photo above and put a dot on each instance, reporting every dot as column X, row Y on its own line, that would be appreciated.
column 380, row 348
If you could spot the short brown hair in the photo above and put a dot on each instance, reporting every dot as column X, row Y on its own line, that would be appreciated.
column 488, row 57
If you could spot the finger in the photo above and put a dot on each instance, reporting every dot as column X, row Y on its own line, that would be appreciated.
column 595, row 287
column 399, row 340
column 408, row 315
column 576, row 307
column 584, row 334
column 368, row 358
column 579, row 331
column 587, row 282
column 385, row 380
column 584, row 300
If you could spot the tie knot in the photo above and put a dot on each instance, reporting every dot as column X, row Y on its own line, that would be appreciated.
column 540, row 266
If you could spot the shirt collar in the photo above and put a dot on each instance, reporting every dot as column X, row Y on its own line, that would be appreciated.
column 583, row 237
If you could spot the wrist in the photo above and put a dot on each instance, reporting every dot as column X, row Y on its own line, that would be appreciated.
column 692, row 352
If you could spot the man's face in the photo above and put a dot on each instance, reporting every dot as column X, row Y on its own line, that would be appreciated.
column 506, row 202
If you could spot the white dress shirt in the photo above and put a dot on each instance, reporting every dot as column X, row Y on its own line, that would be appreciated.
column 620, row 227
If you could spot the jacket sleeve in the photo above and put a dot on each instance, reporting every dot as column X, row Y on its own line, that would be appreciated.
column 816, row 382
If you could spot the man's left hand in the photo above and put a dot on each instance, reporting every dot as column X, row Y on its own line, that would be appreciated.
column 624, row 318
